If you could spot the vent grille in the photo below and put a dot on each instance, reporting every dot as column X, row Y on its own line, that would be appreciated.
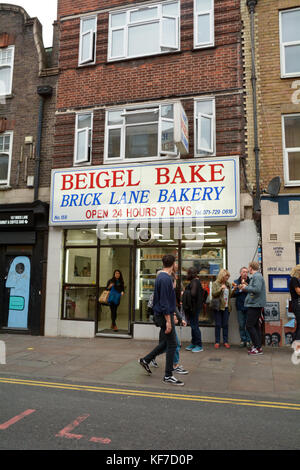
column 273, row 237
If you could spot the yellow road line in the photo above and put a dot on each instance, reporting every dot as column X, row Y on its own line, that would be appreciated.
column 152, row 394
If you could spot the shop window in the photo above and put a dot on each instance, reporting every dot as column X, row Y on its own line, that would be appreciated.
column 6, row 140
column 85, row 237
column 203, row 23
column 87, row 43
column 83, row 139
column 291, row 149
column 205, row 127
column 140, row 133
column 290, row 42
column 6, row 70
column 144, row 31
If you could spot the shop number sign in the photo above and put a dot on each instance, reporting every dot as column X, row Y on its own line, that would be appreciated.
column 189, row 189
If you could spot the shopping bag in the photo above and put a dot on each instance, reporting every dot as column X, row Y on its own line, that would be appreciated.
column 103, row 299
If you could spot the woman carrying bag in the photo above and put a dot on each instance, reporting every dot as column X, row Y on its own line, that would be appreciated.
column 116, row 288
column 192, row 305
column 295, row 295
column 221, row 293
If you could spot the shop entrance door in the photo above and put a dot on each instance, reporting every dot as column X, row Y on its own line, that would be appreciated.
column 16, row 288
column 115, row 258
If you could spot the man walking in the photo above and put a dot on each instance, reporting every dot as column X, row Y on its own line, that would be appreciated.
column 255, row 301
column 164, row 306
column 240, row 296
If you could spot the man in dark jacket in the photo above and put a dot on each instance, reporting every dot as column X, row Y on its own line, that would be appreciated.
column 164, row 307
column 240, row 296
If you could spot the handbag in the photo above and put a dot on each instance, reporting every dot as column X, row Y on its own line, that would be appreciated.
column 215, row 303
column 103, row 299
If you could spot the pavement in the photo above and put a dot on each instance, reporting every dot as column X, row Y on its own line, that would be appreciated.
column 114, row 362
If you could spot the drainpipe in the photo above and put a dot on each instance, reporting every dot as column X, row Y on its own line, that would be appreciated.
column 251, row 6
column 43, row 92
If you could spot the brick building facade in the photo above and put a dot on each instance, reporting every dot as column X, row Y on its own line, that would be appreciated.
column 129, row 64
column 277, row 65
column 28, row 74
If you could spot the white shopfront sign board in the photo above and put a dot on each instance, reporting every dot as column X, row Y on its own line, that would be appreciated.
column 182, row 189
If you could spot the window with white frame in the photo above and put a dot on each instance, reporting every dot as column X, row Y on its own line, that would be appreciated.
column 6, row 70
column 140, row 133
column 5, row 157
column 144, row 31
column 203, row 23
column 83, row 138
column 205, row 127
column 87, row 43
column 290, row 42
column 291, row 148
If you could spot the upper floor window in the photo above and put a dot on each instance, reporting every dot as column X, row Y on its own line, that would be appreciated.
column 291, row 149
column 87, row 44
column 83, row 138
column 205, row 127
column 203, row 23
column 5, row 157
column 6, row 70
column 290, row 42
column 140, row 133
column 144, row 31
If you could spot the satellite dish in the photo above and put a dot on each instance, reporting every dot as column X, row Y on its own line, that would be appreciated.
column 274, row 186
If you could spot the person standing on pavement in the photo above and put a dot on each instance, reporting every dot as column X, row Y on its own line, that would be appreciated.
column 295, row 295
column 240, row 296
column 195, row 292
column 255, row 301
column 164, row 306
column 221, row 293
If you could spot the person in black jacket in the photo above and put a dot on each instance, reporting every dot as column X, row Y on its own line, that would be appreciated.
column 240, row 296
column 295, row 295
column 195, row 294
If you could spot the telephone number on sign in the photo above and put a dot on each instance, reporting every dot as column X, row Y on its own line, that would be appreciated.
column 204, row 212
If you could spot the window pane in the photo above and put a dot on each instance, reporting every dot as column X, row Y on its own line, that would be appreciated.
column 88, row 25
column 292, row 59
column 151, row 116
column 84, row 120
column 5, row 77
column 86, row 51
column 143, row 14
column 167, row 111
column 292, row 131
column 81, row 237
column 171, row 9
column 167, row 137
column 80, row 303
column 291, row 26
column 203, row 35
column 294, row 166
column 81, row 265
column 114, row 143
column 143, row 39
column 142, row 141
column 169, row 32
column 6, row 142
column 114, row 118
column 3, row 166
column 119, row 19
column 204, row 5
column 82, row 146
column 205, row 124
column 117, row 49
column 205, row 107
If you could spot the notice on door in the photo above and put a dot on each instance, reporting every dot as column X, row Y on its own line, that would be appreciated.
column 189, row 189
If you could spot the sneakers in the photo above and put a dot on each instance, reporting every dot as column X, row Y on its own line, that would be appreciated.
column 197, row 349
column 227, row 346
column 114, row 327
column 255, row 352
column 180, row 370
column 153, row 363
column 145, row 365
column 217, row 345
column 190, row 347
column 243, row 344
column 172, row 380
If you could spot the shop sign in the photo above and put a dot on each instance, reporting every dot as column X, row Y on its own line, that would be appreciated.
column 184, row 190
column 16, row 219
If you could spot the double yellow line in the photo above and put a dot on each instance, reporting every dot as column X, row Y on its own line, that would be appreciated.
column 151, row 394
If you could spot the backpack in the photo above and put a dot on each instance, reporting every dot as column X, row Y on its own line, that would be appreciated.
column 187, row 300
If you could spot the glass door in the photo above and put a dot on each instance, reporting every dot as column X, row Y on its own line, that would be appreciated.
column 113, row 318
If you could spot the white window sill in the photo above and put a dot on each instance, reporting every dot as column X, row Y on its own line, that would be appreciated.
column 5, row 187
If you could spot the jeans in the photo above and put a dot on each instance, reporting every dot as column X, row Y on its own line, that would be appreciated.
column 113, row 311
column 242, row 318
column 167, row 342
column 196, row 333
column 221, row 321
column 253, row 325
